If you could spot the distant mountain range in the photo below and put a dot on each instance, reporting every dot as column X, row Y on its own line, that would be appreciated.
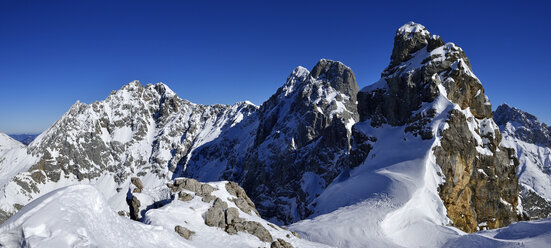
column 417, row 159
column 26, row 139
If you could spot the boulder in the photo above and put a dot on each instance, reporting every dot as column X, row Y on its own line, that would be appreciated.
column 184, row 232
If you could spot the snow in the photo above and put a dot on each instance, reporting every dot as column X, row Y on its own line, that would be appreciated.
column 521, row 234
column 393, row 193
column 78, row 216
column 190, row 215
column 13, row 158
column 412, row 27
column 534, row 170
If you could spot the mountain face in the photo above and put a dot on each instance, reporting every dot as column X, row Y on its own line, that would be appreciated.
column 298, row 145
column 480, row 187
column 418, row 151
column 532, row 142
column 137, row 131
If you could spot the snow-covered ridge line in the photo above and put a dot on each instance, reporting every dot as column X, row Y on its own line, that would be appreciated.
column 138, row 130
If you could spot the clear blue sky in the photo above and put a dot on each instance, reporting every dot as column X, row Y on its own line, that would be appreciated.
column 54, row 53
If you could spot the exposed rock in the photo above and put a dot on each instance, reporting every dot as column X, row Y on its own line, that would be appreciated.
column 469, row 196
column 479, row 186
column 535, row 206
column 529, row 128
column 532, row 141
column 409, row 39
column 206, row 189
column 215, row 214
column 183, row 196
column 184, row 232
column 232, row 215
column 207, row 197
column 301, row 130
column 258, row 230
column 242, row 201
column 138, row 183
column 134, row 204
column 280, row 243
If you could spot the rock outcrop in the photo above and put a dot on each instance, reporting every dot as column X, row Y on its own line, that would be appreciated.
column 480, row 187
column 229, row 209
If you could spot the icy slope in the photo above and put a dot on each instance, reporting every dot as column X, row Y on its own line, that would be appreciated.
column 532, row 143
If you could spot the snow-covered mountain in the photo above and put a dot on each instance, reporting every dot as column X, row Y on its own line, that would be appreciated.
column 414, row 160
column 426, row 156
column 296, row 145
column 137, row 131
column 532, row 142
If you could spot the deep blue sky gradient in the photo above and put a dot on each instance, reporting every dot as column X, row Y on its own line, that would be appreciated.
column 53, row 53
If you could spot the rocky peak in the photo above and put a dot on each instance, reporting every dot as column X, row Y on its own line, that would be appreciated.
column 420, row 64
column 522, row 125
column 424, row 75
column 409, row 38
column 340, row 76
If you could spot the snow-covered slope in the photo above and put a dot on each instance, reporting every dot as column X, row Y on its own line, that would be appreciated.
column 144, row 131
column 522, row 234
column 80, row 216
column 532, row 142
column 13, row 159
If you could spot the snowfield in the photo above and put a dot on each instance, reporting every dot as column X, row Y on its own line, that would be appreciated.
column 79, row 216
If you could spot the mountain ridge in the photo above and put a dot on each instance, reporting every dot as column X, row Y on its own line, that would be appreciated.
column 419, row 150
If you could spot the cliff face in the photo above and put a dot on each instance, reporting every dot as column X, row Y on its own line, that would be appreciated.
column 480, row 188
column 293, row 147
column 531, row 140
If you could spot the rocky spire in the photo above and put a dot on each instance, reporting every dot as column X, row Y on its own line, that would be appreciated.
column 423, row 69
column 340, row 76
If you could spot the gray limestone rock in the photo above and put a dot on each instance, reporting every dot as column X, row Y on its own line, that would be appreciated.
column 280, row 243
column 232, row 215
column 183, row 196
column 258, row 230
column 184, row 232
column 138, row 183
